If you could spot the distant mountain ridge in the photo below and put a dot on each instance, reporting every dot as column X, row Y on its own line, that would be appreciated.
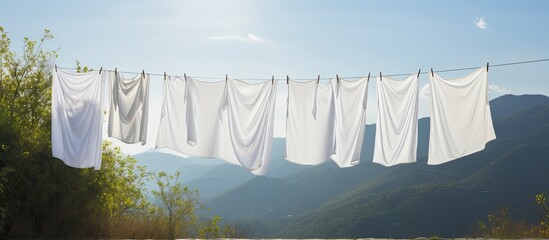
column 410, row 200
column 407, row 200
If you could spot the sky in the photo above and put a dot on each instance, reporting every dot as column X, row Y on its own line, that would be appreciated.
column 302, row 39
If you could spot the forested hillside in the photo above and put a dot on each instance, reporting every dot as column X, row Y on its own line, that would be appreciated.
column 408, row 200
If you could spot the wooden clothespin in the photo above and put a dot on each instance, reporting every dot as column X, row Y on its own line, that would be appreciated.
column 487, row 66
column 432, row 73
column 115, row 71
column 318, row 79
column 418, row 72
column 337, row 78
column 100, row 70
column 273, row 80
column 56, row 67
column 226, row 77
column 287, row 80
column 185, row 76
column 368, row 77
column 380, row 78
column 164, row 75
column 143, row 72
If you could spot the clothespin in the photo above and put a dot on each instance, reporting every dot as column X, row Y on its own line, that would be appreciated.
column 368, row 77
column 143, row 72
column 273, row 81
column 100, row 70
column 432, row 73
column 318, row 79
column 56, row 67
column 185, row 76
column 337, row 77
column 418, row 72
column 115, row 71
column 287, row 80
column 380, row 78
column 226, row 77
column 164, row 75
column 487, row 66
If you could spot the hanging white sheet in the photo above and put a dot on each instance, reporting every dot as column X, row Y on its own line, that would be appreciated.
column 396, row 128
column 172, row 128
column 230, row 120
column 461, row 121
column 247, row 124
column 129, row 108
column 190, row 116
column 309, row 122
column 350, row 120
column 77, row 118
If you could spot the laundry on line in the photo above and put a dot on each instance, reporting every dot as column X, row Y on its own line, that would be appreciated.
column 233, row 120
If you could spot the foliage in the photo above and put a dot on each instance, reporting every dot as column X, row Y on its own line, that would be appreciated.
column 177, row 202
column 501, row 225
column 213, row 230
column 41, row 197
column 543, row 205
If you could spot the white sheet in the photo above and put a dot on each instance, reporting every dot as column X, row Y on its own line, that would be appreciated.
column 77, row 118
column 350, row 108
column 230, row 120
column 247, row 124
column 129, row 108
column 190, row 116
column 461, row 121
column 309, row 123
column 396, row 127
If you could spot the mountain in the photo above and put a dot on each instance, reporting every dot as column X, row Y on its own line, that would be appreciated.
column 212, row 177
column 448, row 206
column 410, row 200
column 219, row 179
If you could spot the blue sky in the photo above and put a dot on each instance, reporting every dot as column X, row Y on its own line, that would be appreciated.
column 258, row 39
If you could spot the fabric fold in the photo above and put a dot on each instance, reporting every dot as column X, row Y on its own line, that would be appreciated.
column 190, row 118
column 309, row 137
column 396, row 127
column 461, row 120
column 129, row 108
column 350, row 120
column 77, row 118
column 248, row 122
column 230, row 120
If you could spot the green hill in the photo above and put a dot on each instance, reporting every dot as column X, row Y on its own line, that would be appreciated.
column 409, row 200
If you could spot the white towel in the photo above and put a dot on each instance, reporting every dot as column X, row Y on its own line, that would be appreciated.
column 129, row 108
column 396, row 128
column 77, row 118
column 350, row 108
column 309, row 123
column 461, row 122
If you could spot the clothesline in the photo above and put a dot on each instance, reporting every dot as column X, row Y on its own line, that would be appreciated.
column 234, row 121
column 327, row 78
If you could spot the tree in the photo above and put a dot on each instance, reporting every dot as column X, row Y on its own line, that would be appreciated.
column 177, row 202
column 40, row 196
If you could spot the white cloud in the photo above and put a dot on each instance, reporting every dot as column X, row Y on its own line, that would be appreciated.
column 497, row 89
column 425, row 91
column 248, row 38
column 480, row 23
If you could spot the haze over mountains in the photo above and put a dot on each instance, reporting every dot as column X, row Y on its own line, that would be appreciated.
column 371, row 200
